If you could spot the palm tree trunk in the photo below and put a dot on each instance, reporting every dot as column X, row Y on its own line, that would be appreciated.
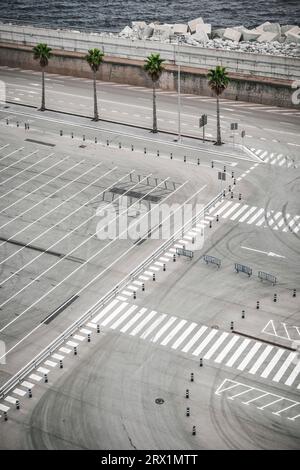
column 219, row 140
column 96, row 115
column 43, row 107
column 154, row 108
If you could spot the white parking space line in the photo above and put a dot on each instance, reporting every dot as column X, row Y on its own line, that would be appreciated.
column 291, row 379
column 14, row 164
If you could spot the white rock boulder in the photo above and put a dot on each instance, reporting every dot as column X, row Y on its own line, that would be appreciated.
column 201, row 37
column 126, row 32
column 193, row 24
column 232, row 34
column 203, row 27
column 250, row 34
column 268, row 37
column 218, row 33
column 272, row 28
column 179, row 28
column 292, row 37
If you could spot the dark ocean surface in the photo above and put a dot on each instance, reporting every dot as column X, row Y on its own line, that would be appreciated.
column 113, row 15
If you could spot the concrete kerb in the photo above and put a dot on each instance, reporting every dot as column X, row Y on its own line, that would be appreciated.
column 138, row 137
column 34, row 363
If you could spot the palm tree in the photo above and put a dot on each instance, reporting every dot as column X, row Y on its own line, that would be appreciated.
column 218, row 81
column 94, row 59
column 154, row 68
column 42, row 53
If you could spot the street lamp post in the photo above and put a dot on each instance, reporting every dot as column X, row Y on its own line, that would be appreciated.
column 179, row 104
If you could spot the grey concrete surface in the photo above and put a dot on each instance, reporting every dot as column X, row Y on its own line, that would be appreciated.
column 104, row 398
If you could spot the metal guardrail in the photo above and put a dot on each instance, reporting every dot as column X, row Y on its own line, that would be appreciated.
column 34, row 363
column 184, row 252
column 212, row 260
column 243, row 269
column 267, row 277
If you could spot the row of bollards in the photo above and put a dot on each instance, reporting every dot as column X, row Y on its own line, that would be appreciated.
column 187, row 396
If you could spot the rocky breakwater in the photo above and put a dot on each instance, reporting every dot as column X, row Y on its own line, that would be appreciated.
column 267, row 38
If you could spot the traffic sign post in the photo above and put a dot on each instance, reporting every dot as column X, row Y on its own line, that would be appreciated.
column 202, row 123
column 233, row 127
column 222, row 177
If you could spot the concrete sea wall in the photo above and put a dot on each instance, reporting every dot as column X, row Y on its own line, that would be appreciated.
column 256, row 78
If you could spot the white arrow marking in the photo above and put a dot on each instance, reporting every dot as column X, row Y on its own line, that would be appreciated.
column 268, row 253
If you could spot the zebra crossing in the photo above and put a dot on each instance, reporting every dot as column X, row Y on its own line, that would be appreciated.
column 230, row 350
column 258, row 216
column 278, row 159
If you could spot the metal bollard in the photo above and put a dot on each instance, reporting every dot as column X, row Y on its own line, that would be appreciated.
column 29, row 393
column 60, row 132
column 224, row 169
column 224, row 193
column 17, row 405
column 201, row 362
column 5, row 415
column 132, row 148
column 72, row 135
column 145, row 150
column 232, row 174
column 294, row 292
column 229, row 188
column 192, row 377
column 174, row 258
column 231, row 325
column 275, row 298
column 198, row 161
column 171, row 155
column 217, row 218
column 157, row 153
column 45, row 378
column 194, row 431
column 75, row 351
column 134, row 294
column 61, row 366
column 153, row 277
column 184, row 159
column 187, row 412
column 257, row 305
column 193, row 240
column 164, row 267
column 89, row 338
column 187, row 393
column 243, row 313
column 18, row 124
column 7, row 122
column 120, row 145
column 240, row 197
column 143, row 287
column 98, row 329
column 96, row 140
column 234, row 181
column 231, row 195
column 107, row 142
column 212, row 164
column 210, row 224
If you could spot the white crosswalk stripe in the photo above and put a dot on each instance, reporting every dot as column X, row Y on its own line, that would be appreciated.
column 274, row 220
column 271, row 158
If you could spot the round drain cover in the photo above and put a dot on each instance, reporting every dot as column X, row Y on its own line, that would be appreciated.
column 159, row 401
